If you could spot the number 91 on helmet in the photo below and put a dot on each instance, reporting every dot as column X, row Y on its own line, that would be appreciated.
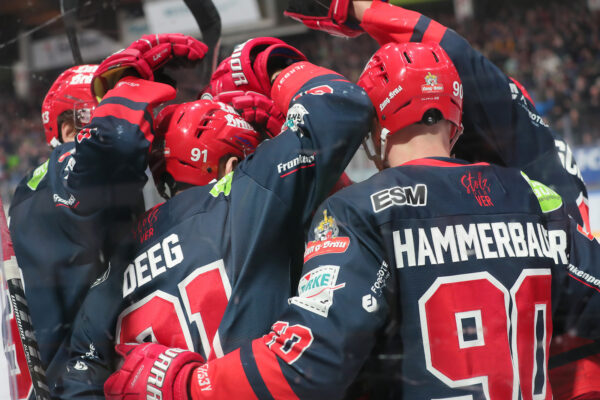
column 193, row 140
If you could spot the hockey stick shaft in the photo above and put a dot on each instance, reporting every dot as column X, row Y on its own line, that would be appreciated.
column 68, row 9
column 20, row 309
column 209, row 21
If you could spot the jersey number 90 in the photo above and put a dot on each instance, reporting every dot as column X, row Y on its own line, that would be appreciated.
column 477, row 332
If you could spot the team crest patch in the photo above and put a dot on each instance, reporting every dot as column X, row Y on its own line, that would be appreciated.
column 316, row 288
column 431, row 84
column 326, row 239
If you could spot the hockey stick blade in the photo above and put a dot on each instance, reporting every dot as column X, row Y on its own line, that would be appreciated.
column 26, row 340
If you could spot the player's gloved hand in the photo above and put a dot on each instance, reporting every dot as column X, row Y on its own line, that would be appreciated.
column 331, row 16
column 144, row 56
column 251, row 66
column 152, row 370
column 256, row 109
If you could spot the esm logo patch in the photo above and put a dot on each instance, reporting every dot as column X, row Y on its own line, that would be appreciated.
column 399, row 196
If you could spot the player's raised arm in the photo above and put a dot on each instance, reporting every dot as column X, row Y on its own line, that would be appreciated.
column 501, row 123
column 327, row 118
column 112, row 151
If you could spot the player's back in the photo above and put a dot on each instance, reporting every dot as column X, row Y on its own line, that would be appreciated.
column 185, row 275
column 470, row 259
column 58, row 251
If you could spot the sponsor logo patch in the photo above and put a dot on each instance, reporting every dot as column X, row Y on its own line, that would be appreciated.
column 478, row 186
column 301, row 161
column 316, row 288
column 381, row 282
column 236, row 121
column 369, row 303
column 295, row 116
column 400, row 196
column 388, row 99
column 431, row 84
column 145, row 226
column 326, row 239
column 71, row 202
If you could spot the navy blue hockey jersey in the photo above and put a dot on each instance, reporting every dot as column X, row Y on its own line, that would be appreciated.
column 210, row 268
column 70, row 211
column 450, row 272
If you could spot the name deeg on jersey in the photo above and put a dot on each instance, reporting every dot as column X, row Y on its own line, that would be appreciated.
column 438, row 245
column 399, row 196
column 151, row 263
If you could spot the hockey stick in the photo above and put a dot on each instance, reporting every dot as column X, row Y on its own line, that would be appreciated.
column 16, row 293
column 68, row 9
column 209, row 21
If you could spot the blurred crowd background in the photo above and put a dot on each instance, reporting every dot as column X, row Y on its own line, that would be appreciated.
column 553, row 49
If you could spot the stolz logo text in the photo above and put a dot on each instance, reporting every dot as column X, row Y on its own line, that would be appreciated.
column 400, row 196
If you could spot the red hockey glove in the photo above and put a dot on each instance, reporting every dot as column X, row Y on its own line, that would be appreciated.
column 325, row 15
column 152, row 370
column 250, row 66
column 145, row 56
column 257, row 109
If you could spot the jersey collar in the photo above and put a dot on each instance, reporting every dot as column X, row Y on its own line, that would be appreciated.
column 441, row 162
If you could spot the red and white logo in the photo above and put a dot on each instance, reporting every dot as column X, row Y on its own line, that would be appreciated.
column 326, row 239
column 431, row 84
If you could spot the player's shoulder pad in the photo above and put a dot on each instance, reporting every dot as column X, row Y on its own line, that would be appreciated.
column 549, row 200
column 291, row 80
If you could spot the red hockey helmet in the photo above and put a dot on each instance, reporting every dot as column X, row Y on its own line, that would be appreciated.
column 405, row 81
column 69, row 92
column 191, row 138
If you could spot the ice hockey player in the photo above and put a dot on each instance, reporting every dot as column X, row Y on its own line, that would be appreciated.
column 57, row 269
column 437, row 263
column 502, row 126
column 68, row 213
column 210, row 267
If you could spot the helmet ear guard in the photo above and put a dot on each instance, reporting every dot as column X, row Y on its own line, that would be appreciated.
column 411, row 83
